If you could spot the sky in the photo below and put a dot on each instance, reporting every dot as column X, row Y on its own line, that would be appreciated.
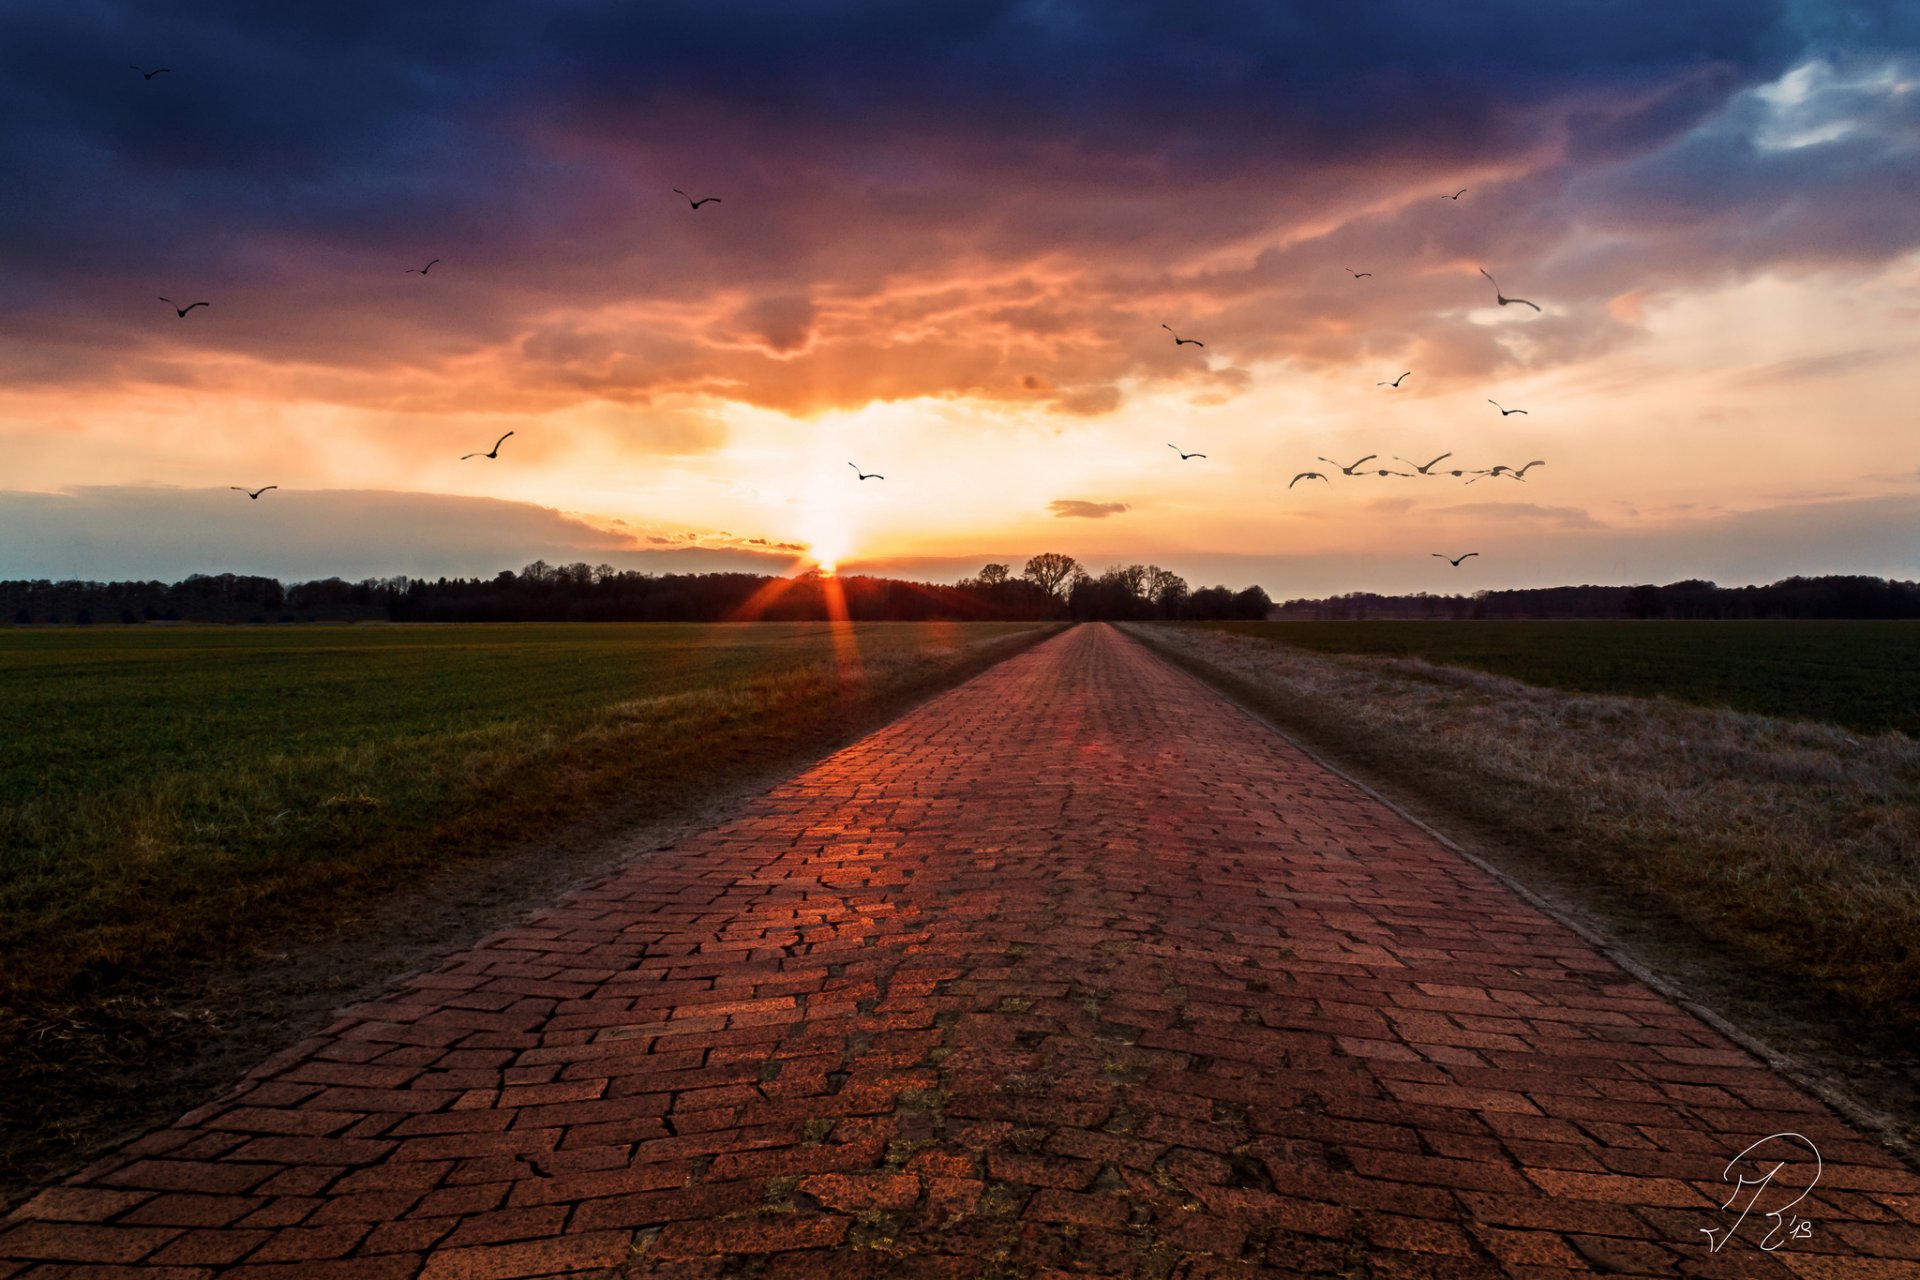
column 946, row 239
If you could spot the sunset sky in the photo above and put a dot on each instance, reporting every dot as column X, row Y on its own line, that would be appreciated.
column 948, row 235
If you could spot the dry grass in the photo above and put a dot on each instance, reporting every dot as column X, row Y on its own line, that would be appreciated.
column 1795, row 845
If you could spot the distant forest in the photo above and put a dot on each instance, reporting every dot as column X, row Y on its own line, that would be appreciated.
column 1834, row 596
column 1050, row 586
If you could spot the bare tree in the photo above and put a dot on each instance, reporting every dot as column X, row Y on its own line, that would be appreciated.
column 1166, row 589
column 995, row 575
column 1050, row 570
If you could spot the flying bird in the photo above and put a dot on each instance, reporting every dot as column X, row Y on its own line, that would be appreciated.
column 491, row 453
column 866, row 475
column 252, row 493
column 148, row 75
column 697, row 203
column 1351, row 470
column 1357, row 275
column 1504, row 299
column 1456, row 195
column 1179, row 341
column 1501, row 470
column 1184, row 455
column 1424, row 470
column 1306, row 475
column 420, row 271
column 1385, row 471
column 1506, row 412
column 1397, row 381
column 180, row 310
column 1456, row 563
column 1517, row 474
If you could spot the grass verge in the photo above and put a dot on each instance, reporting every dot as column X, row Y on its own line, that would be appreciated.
column 1790, row 851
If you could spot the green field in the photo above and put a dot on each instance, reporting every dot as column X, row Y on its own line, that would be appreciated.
column 168, row 793
column 1863, row 675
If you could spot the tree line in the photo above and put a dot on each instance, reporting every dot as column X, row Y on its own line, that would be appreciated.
column 1832, row 596
column 1050, row 585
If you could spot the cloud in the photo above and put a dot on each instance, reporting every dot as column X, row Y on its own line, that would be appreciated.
column 782, row 325
column 1565, row 517
column 1088, row 402
column 957, row 199
column 1063, row 507
column 140, row 532
column 1830, row 364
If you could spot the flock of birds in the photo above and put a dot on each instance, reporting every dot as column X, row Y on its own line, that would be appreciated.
column 1470, row 475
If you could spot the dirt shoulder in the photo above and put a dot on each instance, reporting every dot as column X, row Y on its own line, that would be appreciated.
column 1864, row 1064
column 125, row 1062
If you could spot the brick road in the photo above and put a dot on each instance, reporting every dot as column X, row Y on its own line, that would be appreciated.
column 1074, row 970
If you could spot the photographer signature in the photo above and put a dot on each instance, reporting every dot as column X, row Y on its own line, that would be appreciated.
column 1766, row 1160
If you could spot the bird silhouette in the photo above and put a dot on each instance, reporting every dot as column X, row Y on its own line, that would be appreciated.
column 252, row 493
column 1504, row 299
column 697, row 203
column 420, row 271
column 1506, row 412
column 1179, row 341
column 1456, row 195
column 1357, row 275
column 866, row 475
column 491, row 453
column 180, row 310
column 1306, row 475
column 1184, row 455
column 1426, row 470
column 1351, row 470
column 148, row 75
column 1491, row 472
column 1397, row 381
column 1518, row 473
column 1386, row 471
column 1456, row 563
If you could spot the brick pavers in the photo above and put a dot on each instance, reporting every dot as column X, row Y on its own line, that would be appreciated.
column 1074, row 970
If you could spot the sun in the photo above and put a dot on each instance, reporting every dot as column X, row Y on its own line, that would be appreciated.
column 826, row 556
column 827, row 545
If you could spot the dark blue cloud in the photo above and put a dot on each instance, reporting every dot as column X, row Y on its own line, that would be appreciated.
column 301, row 154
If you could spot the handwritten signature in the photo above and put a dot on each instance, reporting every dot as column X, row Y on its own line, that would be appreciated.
column 1767, row 1162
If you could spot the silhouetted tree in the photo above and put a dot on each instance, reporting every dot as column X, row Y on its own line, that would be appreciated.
column 1167, row 590
column 1251, row 603
column 1210, row 604
column 1050, row 570
column 1644, row 602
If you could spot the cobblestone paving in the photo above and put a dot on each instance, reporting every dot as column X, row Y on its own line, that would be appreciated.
column 1075, row 970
